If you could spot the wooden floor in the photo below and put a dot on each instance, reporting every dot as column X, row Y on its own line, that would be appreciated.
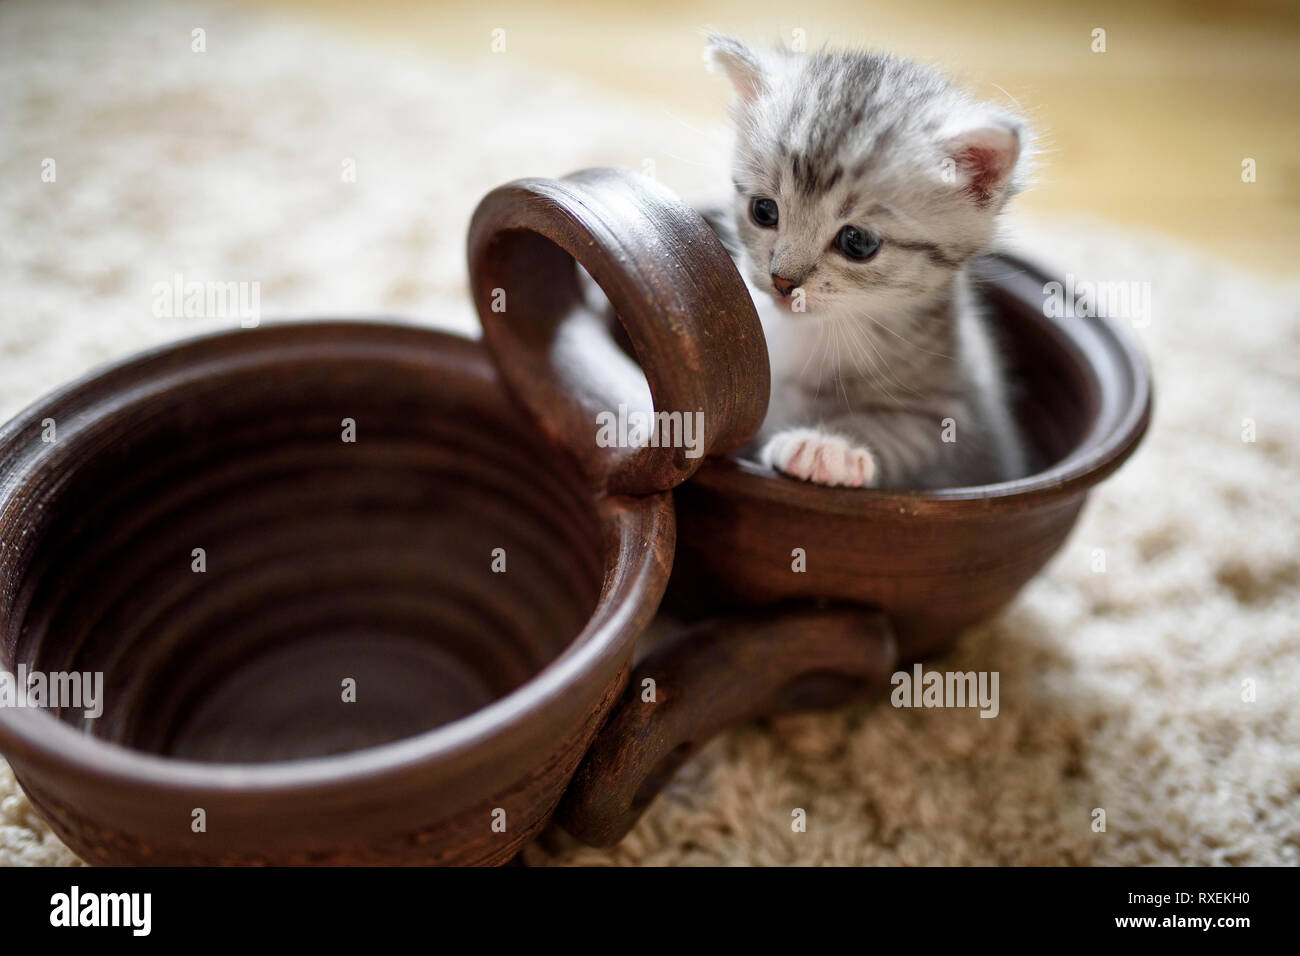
column 1152, row 132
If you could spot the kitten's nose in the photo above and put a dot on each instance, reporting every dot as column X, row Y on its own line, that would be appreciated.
column 783, row 285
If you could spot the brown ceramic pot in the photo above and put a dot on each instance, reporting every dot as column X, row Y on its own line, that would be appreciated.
column 327, row 562
column 936, row 561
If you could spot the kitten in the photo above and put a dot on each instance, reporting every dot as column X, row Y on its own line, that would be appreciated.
column 864, row 184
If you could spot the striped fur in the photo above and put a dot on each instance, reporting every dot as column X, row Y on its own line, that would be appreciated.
column 891, row 356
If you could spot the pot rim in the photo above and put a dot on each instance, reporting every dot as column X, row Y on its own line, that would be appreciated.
column 1113, row 435
column 629, row 596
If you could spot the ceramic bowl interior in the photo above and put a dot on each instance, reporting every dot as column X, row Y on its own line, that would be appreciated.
column 1074, row 386
column 237, row 536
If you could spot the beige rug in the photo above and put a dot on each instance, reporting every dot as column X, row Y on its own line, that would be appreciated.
column 1120, row 690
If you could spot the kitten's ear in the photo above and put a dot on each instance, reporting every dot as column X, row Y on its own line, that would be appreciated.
column 741, row 66
column 981, row 158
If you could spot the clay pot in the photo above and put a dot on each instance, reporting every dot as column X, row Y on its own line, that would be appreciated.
column 476, row 586
column 936, row 561
column 326, row 561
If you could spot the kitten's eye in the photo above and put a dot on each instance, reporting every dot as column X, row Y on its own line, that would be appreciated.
column 763, row 211
column 857, row 244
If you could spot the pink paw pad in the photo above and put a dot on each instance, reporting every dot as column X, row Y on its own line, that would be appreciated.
column 820, row 458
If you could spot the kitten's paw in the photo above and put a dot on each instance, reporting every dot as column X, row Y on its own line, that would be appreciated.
column 820, row 458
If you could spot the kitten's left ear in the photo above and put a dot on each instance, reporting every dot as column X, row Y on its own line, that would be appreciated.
column 981, row 158
column 739, row 63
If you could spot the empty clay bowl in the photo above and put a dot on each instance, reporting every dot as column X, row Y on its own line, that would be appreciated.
column 326, row 561
column 350, row 603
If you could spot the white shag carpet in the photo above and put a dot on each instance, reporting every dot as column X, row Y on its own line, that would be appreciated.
column 1120, row 690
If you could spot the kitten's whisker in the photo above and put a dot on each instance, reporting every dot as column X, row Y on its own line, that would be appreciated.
column 874, row 372
column 812, row 351
column 1008, row 96
column 839, row 372
column 689, row 162
column 866, row 340
column 820, row 348
column 919, row 348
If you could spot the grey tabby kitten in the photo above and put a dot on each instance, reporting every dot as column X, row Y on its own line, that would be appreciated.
column 864, row 184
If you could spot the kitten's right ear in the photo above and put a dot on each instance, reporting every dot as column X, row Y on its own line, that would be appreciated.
column 741, row 66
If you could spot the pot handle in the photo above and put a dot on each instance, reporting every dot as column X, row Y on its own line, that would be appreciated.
column 712, row 675
column 685, row 308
